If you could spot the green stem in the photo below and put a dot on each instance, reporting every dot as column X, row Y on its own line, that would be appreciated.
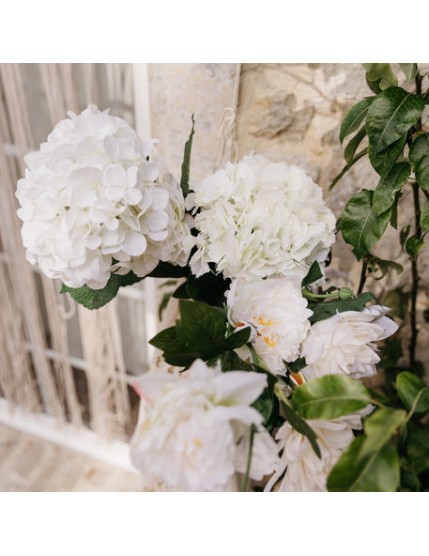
column 245, row 482
column 414, row 282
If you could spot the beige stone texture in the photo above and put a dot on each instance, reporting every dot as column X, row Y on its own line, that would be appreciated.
column 293, row 112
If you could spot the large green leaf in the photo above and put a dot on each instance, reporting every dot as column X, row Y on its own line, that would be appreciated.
column 388, row 187
column 383, row 161
column 329, row 397
column 325, row 309
column 94, row 299
column 391, row 115
column 419, row 157
column 201, row 327
column 418, row 446
column 380, row 427
column 379, row 76
column 413, row 392
column 353, row 144
column 314, row 274
column 377, row 472
column 209, row 288
column 186, row 164
column 424, row 216
column 355, row 117
column 168, row 270
column 360, row 225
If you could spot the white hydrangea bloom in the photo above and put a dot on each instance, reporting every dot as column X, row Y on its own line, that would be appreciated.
column 188, row 437
column 90, row 197
column 259, row 219
column 344, row 343
column 305, row 472
column 278, row 314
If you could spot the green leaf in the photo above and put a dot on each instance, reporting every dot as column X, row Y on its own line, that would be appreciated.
column 377, row 472
column 324, row 310
column 296, row 422
column 383, row 161
column 265, row 404
column 418, row 446
column 375, row 264
column 94, row 299
column 166, row 340
column 163, row 305
column 186, row 164
column 238, row 339
column 360, row 225
column 424, row 216
column 419, row 157
column 380, row 427
column 413, row 392
column 201, row 328
column 391, row 353
column 347, row 168
column 329, row 397
column 209, row 288
column 391, row 115
column 353, row 144
column 168, row 270
column 413, row 246
column 410, row 71
column 230, row 361
column 354, row 117
column 379, row 76
column 314, row 274
column 385, row 193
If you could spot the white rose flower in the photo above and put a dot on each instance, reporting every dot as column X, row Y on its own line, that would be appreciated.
column 344, row 343
column 187, row 438
column 91, row 203
column 305, row 472
column 278, row 314
column 259, row 219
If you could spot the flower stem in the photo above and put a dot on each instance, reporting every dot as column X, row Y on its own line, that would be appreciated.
column 414, row 281
column 245, row 482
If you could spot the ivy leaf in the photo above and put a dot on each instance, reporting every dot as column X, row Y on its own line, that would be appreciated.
column 385, row 193
column 377, row 472
column 409, row 70
column 354, row 117
column 391, row 115
column 353, row 144
column 424, row 216
column 419, row 157
column 186, row 164
column 383, row 161
column 360, row 225
column 314, row 274
column 379, row 76
column 94, row 299
column 413, row 392
column 329, row 397
column 325, row 309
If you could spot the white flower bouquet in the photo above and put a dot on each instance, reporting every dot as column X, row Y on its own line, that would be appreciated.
column 266, row 392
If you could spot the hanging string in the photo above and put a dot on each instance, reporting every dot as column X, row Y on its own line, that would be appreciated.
column 227, row 146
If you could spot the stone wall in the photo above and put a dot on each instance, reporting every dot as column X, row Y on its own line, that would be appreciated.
column 288, row 112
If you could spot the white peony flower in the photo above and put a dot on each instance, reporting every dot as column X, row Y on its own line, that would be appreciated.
column 259, row 219
column 278, row 313
column 344, row 343
column 187, row 438
column 305, row 472
column 91, row 203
